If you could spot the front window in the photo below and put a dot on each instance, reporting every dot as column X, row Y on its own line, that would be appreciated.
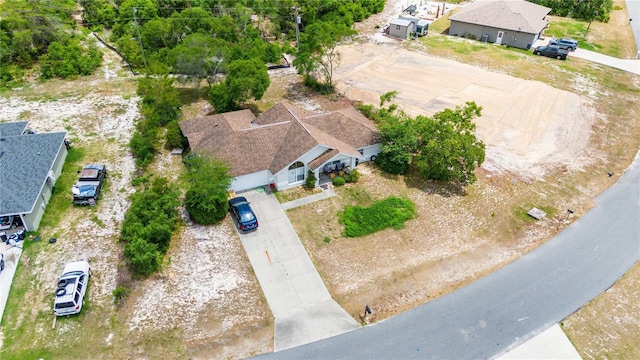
column 296, row 172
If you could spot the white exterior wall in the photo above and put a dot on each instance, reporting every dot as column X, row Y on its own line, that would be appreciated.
column 32, row 220
column 249, row 181
column 369, row 151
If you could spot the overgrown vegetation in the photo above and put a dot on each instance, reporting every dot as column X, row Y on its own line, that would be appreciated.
column 599, row 10
column 390, row 212
column 148, row 226
column 442, row 147
column 35, row 32
column 208, row 179
column 160, row 106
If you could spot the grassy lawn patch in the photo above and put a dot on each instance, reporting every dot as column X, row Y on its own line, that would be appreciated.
column 390, row 212
column 295, row 193
column 61, row 200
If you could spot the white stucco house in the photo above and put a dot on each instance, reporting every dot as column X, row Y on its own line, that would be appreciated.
column 281, row 145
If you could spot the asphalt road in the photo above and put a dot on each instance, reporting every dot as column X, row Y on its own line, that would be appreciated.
column 502, row 310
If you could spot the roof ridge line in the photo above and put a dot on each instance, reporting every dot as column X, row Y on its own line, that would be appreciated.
column 264, row 126
column 298, row 120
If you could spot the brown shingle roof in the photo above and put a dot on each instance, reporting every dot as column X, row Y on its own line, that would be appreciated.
column 278, row 137
column 516, row 15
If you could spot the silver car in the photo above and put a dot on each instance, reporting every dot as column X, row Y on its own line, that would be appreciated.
column 72, row 288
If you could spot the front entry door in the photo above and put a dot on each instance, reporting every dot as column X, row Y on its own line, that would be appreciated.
column 499, row 38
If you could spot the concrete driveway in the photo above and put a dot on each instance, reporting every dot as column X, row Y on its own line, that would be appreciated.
column 629, row 65
column 301, row 304
column 11, row 257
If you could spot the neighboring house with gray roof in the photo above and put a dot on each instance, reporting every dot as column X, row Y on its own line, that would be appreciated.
column 29, row 167
column 282, row 144
column 516, row 23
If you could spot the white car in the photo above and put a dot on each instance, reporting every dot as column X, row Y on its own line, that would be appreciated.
column 71, row 289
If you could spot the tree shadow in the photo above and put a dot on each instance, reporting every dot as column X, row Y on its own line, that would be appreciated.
column 434, row 187
column 189, row 94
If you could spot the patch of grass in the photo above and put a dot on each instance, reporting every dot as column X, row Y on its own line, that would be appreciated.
column 577, row 29
column 390, row 212
column 356, row 195
column 98, row 222
column 61, row 200
column 521, row 212
column 295, row 193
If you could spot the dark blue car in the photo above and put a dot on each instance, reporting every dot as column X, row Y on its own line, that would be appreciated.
column 240, row 209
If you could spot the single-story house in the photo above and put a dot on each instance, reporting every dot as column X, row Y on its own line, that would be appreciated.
column 281, row 145
column 401, row 28
column 516, row 23
column 30, row 164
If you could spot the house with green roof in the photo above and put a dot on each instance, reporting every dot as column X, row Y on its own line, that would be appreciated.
column 30, row 164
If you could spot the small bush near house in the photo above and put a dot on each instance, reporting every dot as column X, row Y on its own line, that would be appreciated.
column 310, row 182
column 173, row 137
column 390, row 212
column 354, row 176
column 339, row 181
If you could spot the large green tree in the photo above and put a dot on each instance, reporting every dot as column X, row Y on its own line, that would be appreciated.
column 199, row 57
column 318, row 56
column 587, row 10
column 442, row 147
column 246, row 79
column 209, row 180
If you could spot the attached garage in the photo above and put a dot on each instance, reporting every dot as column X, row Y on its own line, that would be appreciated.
column 249, row 181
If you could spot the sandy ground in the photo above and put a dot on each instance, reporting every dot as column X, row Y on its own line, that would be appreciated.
column 207, row 297
column 528, row 126
column 206, row 293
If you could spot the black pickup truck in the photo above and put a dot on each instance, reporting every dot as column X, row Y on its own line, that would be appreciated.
column 551, row 51
column 87, row 190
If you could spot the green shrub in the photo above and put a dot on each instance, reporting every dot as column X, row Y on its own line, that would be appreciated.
column 339, row 181
column 355, row 175
column 119, row 293
column 206, row 198
column 174, row 137
column 315, row 85
column 142, row 148
column 310, row 182
column 148, row 226
column 389, row 212
column 144, row 257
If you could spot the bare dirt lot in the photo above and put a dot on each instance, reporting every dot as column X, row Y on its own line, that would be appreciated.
column 527, row 125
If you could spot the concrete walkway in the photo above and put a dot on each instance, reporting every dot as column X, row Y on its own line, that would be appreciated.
column 325, row 194
column 629, row 65
column 550, row 344
column 301, row 304
column 11, row 257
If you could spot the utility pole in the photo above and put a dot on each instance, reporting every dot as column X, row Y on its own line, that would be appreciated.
column 144, row 59
column 297, row 29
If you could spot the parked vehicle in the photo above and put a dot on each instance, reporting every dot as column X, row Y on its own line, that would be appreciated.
column 551, row 51
column 564, row 43
column 87, row 190
column 1, row 262
column 72, row 288
column 241, row 210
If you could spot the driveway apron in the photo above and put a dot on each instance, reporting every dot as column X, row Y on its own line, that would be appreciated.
column 301, row 304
